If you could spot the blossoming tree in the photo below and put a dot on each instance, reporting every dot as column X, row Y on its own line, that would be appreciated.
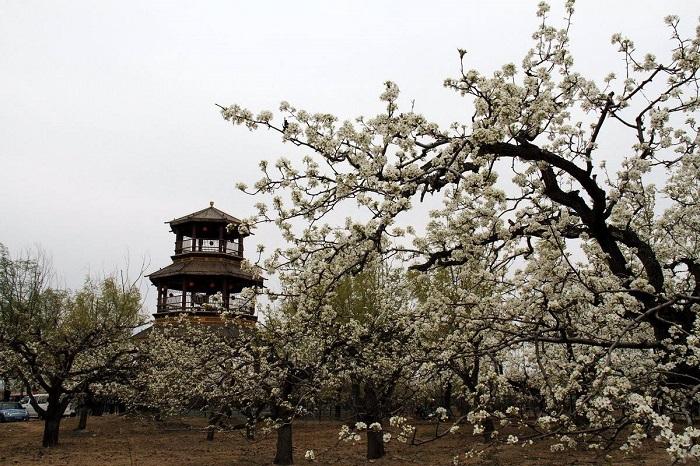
column 63, row 342
column 377, row 358
column 595, row 248
column 186, row 366
column 270, row 372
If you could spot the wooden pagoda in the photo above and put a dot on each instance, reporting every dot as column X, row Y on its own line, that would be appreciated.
column 205, row 275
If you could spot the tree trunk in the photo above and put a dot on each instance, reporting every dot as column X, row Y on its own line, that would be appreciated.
column 284, row 444
column 489, row 428
column 375, row 444
column 447, row 398
column 52, row 420
column 283, row 415
column 82, row 420
column 375, row 439
column 211, row 428
column 52, row 424
column 6, row 389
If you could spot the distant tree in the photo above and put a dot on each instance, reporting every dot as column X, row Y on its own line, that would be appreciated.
column 60, row 341
column 378, row 352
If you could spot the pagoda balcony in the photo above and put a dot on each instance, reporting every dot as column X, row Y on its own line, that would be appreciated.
column 209, row 246
column 175, row 304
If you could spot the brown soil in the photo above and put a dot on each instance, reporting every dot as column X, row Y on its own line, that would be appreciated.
column 122, row 440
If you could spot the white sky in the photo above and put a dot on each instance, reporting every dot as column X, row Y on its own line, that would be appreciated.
column 107, row 120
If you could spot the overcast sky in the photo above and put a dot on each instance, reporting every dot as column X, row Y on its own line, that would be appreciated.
column 108, row 125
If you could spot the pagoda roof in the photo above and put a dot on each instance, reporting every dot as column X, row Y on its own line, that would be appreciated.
column 210, row 214
column 197, row 266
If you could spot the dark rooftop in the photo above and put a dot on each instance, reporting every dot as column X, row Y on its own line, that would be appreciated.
column 201, row 266
column 210, row 214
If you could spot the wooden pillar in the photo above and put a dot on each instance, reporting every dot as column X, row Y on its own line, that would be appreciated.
column 240, row 246
column 225, row 292
column 184, row 294
column 159, row 306
column 222, row 241
column 178, row 243
column 194, row 238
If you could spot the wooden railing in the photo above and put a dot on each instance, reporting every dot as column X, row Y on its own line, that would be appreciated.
column 207, row 245
column 173, row 303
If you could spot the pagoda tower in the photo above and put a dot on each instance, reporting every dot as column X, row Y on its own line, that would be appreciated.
column 205, row 275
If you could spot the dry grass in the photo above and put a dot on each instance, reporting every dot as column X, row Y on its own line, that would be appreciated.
column 129, row 441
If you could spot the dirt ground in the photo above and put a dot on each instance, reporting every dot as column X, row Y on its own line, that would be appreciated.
column 132, row 441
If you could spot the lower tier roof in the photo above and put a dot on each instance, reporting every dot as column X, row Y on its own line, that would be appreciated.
column 201, row 266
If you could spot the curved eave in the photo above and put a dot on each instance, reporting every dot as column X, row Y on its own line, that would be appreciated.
column 210, row 214
column 210, row 269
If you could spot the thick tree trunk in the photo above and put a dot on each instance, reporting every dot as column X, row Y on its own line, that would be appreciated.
column 52, row 420
column 284, row 445
column 375, row 444
column 375, row 439
column 210, row 433
column 51, row 428
column 283, row 415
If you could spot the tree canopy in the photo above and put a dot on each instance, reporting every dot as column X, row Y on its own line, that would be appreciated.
column 60, row 342
column 575, row 261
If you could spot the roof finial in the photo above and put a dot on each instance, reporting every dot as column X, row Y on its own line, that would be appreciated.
column 211, row 203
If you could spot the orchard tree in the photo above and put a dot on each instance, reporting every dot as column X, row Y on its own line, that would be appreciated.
column 65, row 343
column 185, row 365
column 278, row 366
column 378, row 356
column 453, row 330
column 601, row 243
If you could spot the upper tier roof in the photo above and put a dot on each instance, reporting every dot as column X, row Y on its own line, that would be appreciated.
column 210, row 214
